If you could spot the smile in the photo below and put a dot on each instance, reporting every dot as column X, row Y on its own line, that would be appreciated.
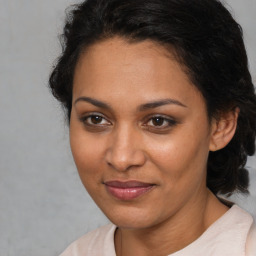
column 127, row 190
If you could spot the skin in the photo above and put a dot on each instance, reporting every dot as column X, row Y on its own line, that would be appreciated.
column 114, row 137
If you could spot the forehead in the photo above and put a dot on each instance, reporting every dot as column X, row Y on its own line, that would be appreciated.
column 143, row 71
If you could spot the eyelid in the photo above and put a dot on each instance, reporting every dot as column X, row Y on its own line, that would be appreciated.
column 86, row 116
column 171, row 121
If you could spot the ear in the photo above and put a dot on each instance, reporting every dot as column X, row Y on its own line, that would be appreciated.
column 223, row 129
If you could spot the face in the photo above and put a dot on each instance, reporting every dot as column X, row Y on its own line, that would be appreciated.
column 139, row 132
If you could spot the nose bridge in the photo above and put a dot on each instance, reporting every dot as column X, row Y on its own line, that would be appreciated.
column 125, row 149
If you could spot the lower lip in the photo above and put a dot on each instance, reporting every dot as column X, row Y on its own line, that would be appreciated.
column 128, row 193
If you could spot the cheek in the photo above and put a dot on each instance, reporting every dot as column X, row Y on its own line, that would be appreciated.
column 87, row 155
column 183, row 155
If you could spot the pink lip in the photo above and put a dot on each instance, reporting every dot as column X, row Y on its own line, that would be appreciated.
column 127, row 190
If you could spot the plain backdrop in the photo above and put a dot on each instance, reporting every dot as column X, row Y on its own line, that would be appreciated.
column 43, row 205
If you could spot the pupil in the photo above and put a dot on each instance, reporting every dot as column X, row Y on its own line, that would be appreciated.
column 96, row 119
column 158, row 121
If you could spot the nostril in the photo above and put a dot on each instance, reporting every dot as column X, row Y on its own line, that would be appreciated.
column 124, row 150
column 121, row 161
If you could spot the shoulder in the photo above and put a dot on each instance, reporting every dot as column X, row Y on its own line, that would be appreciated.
column 226, row 236
column 97, row 242
column 251, row 241
column 250, row 238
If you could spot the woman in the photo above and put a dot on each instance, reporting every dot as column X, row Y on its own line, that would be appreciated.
column 161, row 109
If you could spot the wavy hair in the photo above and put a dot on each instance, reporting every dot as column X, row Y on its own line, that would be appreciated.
column 208, row 43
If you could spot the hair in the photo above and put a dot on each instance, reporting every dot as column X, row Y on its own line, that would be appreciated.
column 207, row 41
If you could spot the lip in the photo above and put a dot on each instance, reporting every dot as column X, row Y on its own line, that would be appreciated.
column 127, row 190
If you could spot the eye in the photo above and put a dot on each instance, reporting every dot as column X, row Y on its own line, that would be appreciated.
column 160, row 122
column 95, row 120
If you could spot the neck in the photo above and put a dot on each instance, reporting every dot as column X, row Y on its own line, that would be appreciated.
column 172, row 235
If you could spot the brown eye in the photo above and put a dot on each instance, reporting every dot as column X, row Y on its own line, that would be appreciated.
column 96, row 119
column 158, row 121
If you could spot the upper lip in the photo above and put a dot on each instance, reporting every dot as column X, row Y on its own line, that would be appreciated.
column 127, row 184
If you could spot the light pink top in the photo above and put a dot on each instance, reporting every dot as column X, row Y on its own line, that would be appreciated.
column 231, row 235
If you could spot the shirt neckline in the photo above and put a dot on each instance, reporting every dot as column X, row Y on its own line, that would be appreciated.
column 233, row 226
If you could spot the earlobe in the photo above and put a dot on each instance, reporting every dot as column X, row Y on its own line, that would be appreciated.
column 223, row 129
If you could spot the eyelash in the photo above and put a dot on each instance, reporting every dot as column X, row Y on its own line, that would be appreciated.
column 168, row 122
column 85, row 119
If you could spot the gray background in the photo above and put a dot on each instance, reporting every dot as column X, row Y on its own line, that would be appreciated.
column 43, row 206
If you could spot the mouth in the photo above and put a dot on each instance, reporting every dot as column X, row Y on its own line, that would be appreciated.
column 127, row 190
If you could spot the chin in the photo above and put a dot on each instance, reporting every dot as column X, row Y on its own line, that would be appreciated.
column 132, row 218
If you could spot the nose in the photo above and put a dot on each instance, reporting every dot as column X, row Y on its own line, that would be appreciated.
column 125, row 150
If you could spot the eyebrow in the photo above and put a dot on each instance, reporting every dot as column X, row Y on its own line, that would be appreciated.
column 159, row 103
column 94, row 102
column 143, row 107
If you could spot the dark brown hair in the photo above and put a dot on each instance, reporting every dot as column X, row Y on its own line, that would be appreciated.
column 207, row 41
